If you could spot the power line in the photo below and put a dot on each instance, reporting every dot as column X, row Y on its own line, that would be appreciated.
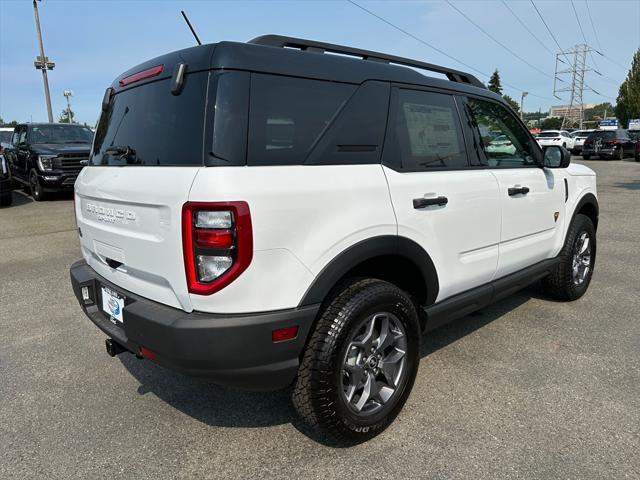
column 575, row 12
column 497, row 41
column 420, row 40
column 595, row 33
column 527, row 28
column 442, row 52
column 549, row 30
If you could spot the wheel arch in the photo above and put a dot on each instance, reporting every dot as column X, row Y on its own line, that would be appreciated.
column 588, row 205
column 398, row 260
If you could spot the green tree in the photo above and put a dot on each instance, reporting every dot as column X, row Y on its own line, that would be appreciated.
column 551, row 123
column 64, row 116
column 628, row 102
column 512, row 102
column 494, row 82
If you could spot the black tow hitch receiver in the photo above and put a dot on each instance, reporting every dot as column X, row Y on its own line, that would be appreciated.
column 113, row 347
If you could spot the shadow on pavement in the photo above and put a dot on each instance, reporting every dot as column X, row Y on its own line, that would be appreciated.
column 226, row 407
column 633, row 185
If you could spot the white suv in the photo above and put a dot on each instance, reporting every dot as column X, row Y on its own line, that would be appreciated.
column 264, row 216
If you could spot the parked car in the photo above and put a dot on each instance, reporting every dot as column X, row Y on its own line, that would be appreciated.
column 6, row 191
column 579, row 137
column 501, row 145
column 5, row 137
column 47, row 157
column 635, row 136
column 555, row 137
column 608, row 144
column 343, row 205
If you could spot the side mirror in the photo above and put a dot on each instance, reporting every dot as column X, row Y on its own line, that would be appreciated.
column 556, row 157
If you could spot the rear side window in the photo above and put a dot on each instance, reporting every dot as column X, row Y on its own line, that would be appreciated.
column 424, row 132
column 147, row 125
column 288, row 116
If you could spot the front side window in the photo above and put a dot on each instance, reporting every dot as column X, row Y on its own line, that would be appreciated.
column 289, row 115
column 500, row 139
column 424, row 133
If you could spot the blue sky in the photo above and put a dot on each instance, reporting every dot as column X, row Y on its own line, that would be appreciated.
column 94, row 41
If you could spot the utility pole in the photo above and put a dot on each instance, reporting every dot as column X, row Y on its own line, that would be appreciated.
column 68, row 94
column 43, row 63
column 576, row 58
column 524, row 94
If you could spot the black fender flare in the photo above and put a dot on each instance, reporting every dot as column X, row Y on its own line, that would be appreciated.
column 366, row 250
column 587, row 199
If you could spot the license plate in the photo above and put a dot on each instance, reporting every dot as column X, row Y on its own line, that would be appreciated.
column 113, row 304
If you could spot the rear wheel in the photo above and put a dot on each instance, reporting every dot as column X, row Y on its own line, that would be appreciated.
column 36, row 190
column 361, row 361
column 571, row 278
column 6, row 200
column 586, row 157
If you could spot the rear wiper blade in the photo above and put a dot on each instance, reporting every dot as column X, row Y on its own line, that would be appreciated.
column 123, row 151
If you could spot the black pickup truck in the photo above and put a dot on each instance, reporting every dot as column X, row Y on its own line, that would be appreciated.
column 47, row 157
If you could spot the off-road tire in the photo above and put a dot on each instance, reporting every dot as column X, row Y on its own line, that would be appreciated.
column 318, row 395
column 559, row 284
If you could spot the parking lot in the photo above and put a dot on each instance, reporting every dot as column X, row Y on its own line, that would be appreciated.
column 527, row 388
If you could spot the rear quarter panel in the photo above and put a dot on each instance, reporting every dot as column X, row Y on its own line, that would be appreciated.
column 302, row 218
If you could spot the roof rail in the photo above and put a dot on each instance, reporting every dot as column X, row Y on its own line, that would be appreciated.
column 321, row 47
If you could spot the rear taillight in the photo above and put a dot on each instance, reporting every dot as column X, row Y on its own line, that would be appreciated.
column 611, row 142
column 217, row 242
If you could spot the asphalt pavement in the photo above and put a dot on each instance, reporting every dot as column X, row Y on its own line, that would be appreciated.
column 527, row 388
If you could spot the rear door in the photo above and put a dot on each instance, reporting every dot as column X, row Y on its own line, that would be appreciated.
column 452, row 211
column 147, row 150
column 531, row 198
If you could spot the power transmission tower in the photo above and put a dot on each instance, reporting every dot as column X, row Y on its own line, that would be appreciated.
column 576, row 58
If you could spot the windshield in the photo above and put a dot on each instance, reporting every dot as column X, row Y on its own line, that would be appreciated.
column 147, row 125
column 60, row 134
column 603, row 135
column 548, row 134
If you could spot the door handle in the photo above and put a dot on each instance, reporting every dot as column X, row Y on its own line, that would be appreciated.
column 425, row 202
column 518, row 190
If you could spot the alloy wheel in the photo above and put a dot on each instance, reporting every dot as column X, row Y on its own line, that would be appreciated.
column 374, row 366
column 581, row 259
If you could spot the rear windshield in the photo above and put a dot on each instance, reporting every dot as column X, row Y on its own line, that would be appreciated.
column 147, row 125
column 604, row 135
column 548, row 134
column 60, row 134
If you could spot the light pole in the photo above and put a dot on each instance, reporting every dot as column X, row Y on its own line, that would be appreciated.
column 524, row 94
column 43, row 63
column 68, row 94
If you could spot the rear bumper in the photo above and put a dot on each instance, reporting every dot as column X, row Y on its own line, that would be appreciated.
column 235, row 350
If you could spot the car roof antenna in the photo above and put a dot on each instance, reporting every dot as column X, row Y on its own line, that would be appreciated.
column 190, row 27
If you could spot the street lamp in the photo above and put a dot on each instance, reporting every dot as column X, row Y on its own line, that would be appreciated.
column 42, row 63
column 524, row 94
column 68, row 94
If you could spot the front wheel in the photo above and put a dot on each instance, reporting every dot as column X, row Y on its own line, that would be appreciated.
column 36, row 190
column 361, row 361
column 571, row 277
